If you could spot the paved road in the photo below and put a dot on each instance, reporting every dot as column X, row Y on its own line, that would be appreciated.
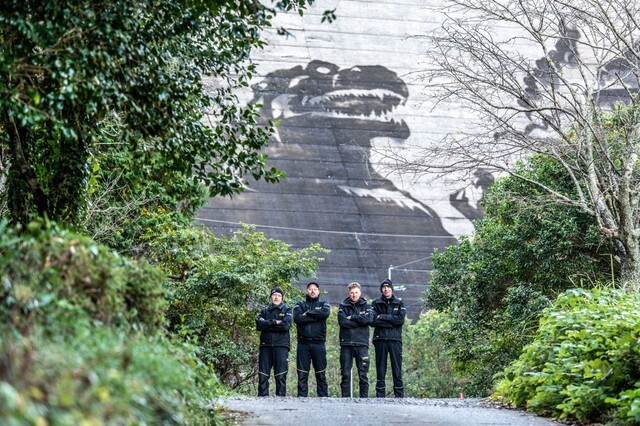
column 339, row 412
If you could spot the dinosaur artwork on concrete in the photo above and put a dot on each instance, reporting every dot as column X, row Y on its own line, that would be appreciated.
column 328, row 119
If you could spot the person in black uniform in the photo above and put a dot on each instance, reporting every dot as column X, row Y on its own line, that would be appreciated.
column 354, row 317
column 274, row 322
column 388, row 317
column 310, row 316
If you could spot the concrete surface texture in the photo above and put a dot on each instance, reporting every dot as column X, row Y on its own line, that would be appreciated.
column 346, row 93
column 364, row 412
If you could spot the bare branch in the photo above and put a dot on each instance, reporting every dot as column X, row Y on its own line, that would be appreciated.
column 547, row 77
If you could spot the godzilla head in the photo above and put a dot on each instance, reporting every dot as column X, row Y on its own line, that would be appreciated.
column 364, row 95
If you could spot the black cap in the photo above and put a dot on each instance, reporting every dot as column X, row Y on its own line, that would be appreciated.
column 314, row 283
column 386, row 282
column 276, row 290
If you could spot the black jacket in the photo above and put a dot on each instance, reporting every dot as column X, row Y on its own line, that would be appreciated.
column 354, row 331
column 312, row 327
column 272, row 334
column 388, row 317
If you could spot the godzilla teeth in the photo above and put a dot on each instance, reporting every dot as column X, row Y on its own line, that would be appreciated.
column 373, row 105
column 382, row 95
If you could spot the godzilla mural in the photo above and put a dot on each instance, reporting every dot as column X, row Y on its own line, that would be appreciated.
column 617, row 78
column 328, row 120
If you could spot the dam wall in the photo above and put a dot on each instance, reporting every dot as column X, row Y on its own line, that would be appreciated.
column 343, row 92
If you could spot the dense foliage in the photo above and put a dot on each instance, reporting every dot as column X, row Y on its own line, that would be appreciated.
column 219, row 285
column 428, row 367
column 102, row 376
column 58, row 278
column 584, row 362
column 524, row 252
column 81, row 338
column 83, row 335
column 131, row 196
column 166, row 70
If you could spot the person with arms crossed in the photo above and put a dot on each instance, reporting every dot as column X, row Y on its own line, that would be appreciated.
column 354, row 317
column 274, row 322
column 310, row 316
column 388, row 317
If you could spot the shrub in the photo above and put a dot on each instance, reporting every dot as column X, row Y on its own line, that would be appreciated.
column 53, row 276
column 82, row 338
column 427, row 362
column 585, row 360
column 219, row 286
column 102, row 376
column 524, row 252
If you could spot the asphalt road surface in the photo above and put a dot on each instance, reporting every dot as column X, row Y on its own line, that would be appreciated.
column 361, row 412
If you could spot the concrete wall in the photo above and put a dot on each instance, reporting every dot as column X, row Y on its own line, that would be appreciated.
column 342, row 91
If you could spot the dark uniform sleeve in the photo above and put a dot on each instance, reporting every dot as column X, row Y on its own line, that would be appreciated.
column 364, row 317
column 343, row 321
column 262, row 324
column 395, row 319
column 375, row 321
column 270, row 325
column 287, row 320
column 299, row 316
column 320, row 313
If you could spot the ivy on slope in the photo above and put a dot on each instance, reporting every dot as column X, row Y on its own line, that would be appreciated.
column 584, row 363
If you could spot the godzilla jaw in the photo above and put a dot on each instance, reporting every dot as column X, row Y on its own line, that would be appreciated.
column 369, row 105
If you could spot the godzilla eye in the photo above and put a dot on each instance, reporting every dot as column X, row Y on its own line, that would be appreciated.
column 296, row 80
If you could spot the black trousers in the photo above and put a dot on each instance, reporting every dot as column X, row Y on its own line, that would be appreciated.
column 361, row 355
column 393, row 350
column 315, row 352
column 276, row 357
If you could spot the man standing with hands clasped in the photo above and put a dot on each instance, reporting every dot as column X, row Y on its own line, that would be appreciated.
column 354, row 317
column 310, row 316
column 274, row 322
column 389, row 313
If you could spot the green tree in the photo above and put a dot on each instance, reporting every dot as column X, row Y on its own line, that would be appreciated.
column 218, row 287
column 68, row 68
column 524, row 252
column 130, row 195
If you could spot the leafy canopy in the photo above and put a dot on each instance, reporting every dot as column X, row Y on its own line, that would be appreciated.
column 525, row 250
column 218, row 287
column 131, row 196
column 166, row 68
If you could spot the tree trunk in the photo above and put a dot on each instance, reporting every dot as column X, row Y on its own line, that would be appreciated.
column 26, row 196
column 67, row 182
column 59, row 192
column 630, row 269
